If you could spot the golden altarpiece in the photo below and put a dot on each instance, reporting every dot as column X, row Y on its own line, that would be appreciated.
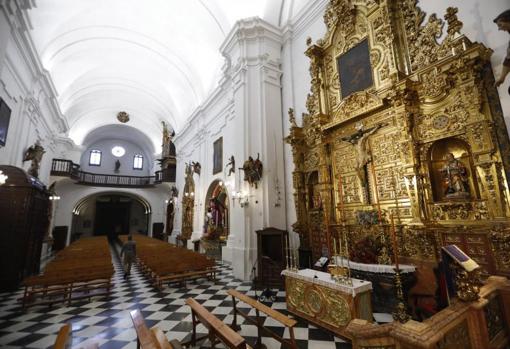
column 403, row 122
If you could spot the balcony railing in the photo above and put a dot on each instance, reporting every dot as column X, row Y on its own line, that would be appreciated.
column 165, row 175
column 67, row 168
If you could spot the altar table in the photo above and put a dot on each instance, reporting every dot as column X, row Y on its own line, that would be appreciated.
column 314, row 296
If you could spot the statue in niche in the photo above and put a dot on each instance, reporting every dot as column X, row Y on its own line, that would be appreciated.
column 455, row 178
column 359, row 140
column 34, row 153
column 252, row 170
column 213, row 225
column 117, row 166
column 232, row 164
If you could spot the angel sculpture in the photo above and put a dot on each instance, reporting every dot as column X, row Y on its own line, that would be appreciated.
column 232, row 164
column 34, row 153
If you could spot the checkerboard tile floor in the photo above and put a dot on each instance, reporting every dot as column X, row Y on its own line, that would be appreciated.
column 106, row 320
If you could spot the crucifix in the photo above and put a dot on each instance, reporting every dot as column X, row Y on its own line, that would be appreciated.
column 359, row 140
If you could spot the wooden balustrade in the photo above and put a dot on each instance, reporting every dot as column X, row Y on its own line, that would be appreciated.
column 67, row 168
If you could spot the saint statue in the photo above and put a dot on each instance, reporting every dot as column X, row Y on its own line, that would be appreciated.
column 455, row 178
column 359, row 140
column 117, row 166
column 166, row 141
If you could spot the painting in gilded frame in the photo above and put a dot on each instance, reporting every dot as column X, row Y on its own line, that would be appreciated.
column 218, row 155
column 355, row 70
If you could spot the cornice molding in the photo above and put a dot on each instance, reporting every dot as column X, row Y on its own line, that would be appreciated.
column 308, row 14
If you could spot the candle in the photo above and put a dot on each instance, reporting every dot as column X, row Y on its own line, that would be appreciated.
column 463, row 45
column 394, row 242
column 376, row 196
column 341, row 257
column 341, row 197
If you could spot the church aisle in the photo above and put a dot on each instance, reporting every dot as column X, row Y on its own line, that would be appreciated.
column 106, row 321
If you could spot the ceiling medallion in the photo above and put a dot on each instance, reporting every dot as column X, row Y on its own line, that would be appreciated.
column 123, row 117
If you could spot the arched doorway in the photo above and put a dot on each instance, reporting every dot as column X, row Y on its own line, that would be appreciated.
column 216, row 200
column 110, row 214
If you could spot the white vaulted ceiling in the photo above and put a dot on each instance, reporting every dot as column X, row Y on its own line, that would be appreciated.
column 155, row 59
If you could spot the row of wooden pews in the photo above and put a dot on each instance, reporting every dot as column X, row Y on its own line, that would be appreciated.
column 163, row 263
column 218, row 331
column 81, row 270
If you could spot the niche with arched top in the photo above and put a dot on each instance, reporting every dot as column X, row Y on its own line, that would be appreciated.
column 451, row 171
column 217, row 226
column 313, row 193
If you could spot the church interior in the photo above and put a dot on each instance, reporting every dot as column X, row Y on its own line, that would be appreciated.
column 322, row 174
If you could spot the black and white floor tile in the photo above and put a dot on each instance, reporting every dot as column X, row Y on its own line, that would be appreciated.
column 106, row 320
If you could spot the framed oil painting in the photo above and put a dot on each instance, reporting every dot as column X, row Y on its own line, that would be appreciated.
column 218, row 155
column 355, row 70
column 5, row 116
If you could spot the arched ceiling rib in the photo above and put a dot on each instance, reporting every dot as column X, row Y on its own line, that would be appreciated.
column 157, row 59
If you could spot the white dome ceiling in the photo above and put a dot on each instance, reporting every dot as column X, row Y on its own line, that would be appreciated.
column 155, row 59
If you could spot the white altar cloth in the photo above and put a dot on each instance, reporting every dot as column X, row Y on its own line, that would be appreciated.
column 324, row 279
column 377, row 268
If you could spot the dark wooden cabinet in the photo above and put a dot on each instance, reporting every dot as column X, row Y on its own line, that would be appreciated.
column 271, row 245
column 24, row 220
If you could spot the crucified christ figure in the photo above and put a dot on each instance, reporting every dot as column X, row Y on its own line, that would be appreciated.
column 359, row 140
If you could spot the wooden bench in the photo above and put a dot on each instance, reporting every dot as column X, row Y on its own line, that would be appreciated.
column 162, row 262
column 259, row 321
column 217, row 329
column 68, row 277
column 153, row 338
column 62, row 337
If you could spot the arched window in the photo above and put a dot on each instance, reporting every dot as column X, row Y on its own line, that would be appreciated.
column 95, row 158
column 138, row 162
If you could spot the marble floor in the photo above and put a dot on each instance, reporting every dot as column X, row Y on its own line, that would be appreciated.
column 106, row 320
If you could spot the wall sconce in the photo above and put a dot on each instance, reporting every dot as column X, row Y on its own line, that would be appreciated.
column 54, row 197
column 192, row 194
column 242, row 198
column 3, row 178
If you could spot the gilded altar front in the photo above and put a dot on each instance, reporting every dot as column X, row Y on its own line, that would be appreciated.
column 405, row 123
column 314, row 296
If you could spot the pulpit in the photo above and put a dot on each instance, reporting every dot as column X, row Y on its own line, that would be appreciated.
column 271, row 244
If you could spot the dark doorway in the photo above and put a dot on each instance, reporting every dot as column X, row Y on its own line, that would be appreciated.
column 112, row 216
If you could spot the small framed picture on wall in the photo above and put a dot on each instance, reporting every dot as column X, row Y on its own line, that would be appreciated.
column 5, row 116
column 218, row 155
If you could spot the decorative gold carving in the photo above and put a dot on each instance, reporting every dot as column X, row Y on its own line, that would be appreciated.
column 468, row 283
column 356, row 104
column 500, row 244
column 465, row 211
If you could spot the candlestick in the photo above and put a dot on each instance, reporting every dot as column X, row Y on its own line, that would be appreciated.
column 376, row 195
column 341, row 198
column 394, row 242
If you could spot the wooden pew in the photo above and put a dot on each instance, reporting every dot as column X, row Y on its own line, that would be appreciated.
column 259, row 321
column 67, row 277
column 62, row 337
column 145, row 338
column 163, row 263
column 217, row 329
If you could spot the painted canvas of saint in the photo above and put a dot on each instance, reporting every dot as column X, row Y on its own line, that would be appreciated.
column 355, row 70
